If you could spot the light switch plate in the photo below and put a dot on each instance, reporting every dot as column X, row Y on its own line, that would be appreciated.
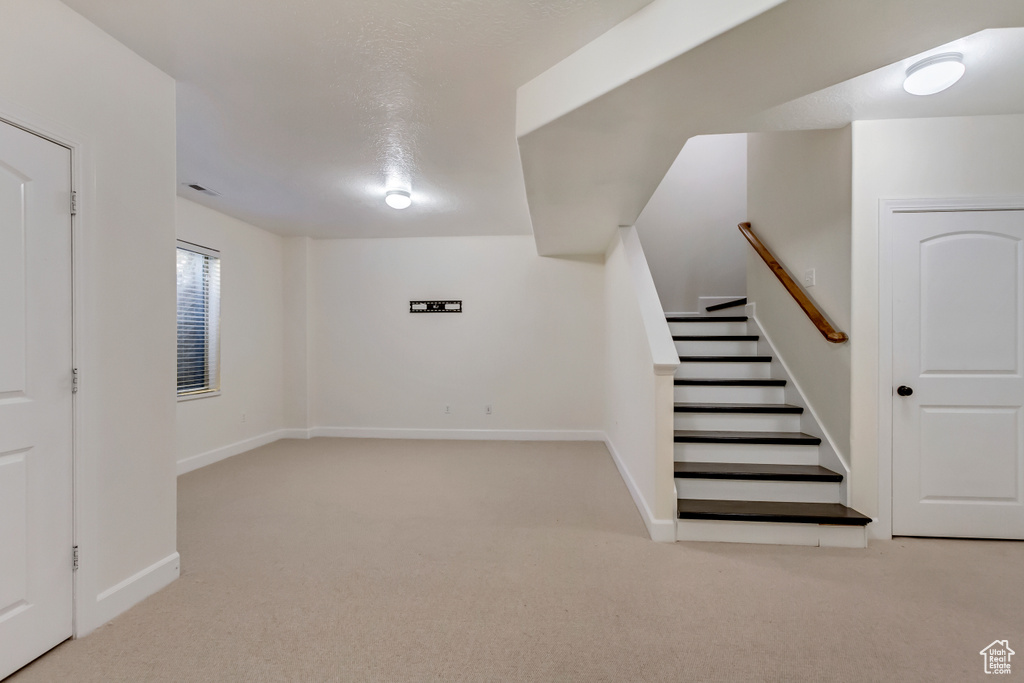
column 809, row 277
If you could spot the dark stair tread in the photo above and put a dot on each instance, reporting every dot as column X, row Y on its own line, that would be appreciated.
column 727, row 304
column 734, row 470
column 730, row 381
column 783, row 438
column 725, row 359
column 762, row 511
column 715, row 337
column 706, row 318
column 751, row 408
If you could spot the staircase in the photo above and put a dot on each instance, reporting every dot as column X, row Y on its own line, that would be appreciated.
column 744, row 471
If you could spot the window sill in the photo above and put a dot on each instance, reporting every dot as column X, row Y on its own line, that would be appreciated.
column 197, row 394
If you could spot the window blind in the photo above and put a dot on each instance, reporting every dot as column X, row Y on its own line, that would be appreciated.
column 198, row 319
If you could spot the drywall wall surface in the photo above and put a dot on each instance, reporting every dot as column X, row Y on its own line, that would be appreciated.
column 688, row 229
column 62, row 76
column 638, row 388
column 296, row 332
column 911, row 159
column 798, row 201
column 654, row 35
column 528, row 342
column 250, row 403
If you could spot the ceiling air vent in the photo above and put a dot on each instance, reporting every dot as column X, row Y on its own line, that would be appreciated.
column 204, row 190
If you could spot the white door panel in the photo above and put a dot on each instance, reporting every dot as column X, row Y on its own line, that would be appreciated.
column 958, row 328
column 35, row 397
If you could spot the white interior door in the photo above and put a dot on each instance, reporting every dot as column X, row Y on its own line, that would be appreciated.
column 958, row 345
column 35, row 397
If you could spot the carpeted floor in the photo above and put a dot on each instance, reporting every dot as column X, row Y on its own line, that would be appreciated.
column 374, row 560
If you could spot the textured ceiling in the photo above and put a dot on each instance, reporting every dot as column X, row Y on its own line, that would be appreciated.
column 301, row 112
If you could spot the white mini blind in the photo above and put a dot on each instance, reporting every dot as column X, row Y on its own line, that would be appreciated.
column 198, row 319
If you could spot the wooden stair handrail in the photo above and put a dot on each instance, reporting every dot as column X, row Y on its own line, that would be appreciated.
column 827, row 331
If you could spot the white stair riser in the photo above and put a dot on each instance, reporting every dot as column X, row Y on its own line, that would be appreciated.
column 718, row 394
column 738, row 422
column 745, row 370
column 716, row 348
column 755, row 454
column 771, row 533
column 777, row 491
column 708, row 328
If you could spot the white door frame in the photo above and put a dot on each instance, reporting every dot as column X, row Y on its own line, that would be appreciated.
column 886, row 209
column 83, row 478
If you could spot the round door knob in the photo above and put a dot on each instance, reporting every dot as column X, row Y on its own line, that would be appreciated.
column 904, row 390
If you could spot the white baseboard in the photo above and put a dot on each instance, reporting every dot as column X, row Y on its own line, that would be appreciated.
column 461, row 434
column 194, row 462
column 133, row 590
column 660, row 530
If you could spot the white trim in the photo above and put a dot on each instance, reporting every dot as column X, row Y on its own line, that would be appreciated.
column 460, row 434
column 828, row 455
column 881, row 528
column 772, row 533
column 659, row 336
column 84, row 487
column 198, row 394
column 660, row 530
column 194, row 462
column 133, row 590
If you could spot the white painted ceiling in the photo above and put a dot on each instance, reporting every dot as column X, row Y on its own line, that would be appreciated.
column 993, row 84
column 300, row 111
column 801, row 64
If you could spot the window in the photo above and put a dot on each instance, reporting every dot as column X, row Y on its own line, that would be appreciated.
column 198, row 321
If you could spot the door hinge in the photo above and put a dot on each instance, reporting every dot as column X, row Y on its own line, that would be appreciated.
column 74, row 203
column 74, row 380
column 74, row 558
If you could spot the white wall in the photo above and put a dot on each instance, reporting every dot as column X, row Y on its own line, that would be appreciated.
column 61, row 75
column 296, row 333
column 529, row 341
column 911, row 159
column 798, row 201
column 688, row 228
column 252, row 341
column 640, row 359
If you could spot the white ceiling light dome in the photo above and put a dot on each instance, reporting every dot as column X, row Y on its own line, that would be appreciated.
column 934, row 74
column 398, row 199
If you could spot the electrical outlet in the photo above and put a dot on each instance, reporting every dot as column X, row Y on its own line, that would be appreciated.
column 487, row 409
column 447, row 410
column 243, row 417
column 809, row 277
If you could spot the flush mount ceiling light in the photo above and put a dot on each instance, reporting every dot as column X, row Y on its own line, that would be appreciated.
column 398, row 199
column 934, row 74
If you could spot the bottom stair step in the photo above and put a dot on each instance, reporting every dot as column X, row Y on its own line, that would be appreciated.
column 761, row 511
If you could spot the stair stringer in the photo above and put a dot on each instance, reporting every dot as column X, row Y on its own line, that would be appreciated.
column 828, row 455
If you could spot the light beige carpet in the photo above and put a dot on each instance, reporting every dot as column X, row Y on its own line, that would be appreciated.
column 373, row 560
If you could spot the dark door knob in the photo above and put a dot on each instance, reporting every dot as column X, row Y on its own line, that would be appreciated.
column 904, row 391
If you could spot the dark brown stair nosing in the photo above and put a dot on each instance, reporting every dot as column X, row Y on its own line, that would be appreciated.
column 754, row 472
column 764, row 438
column 715, row 337
column 706, row 318
column 763, row 511
column 725, row 359
column 730, row 381
column 745, row 408
column 727, row 304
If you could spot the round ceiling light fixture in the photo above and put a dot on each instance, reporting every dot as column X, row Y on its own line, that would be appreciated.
column 934, row 74
column 398, row 199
